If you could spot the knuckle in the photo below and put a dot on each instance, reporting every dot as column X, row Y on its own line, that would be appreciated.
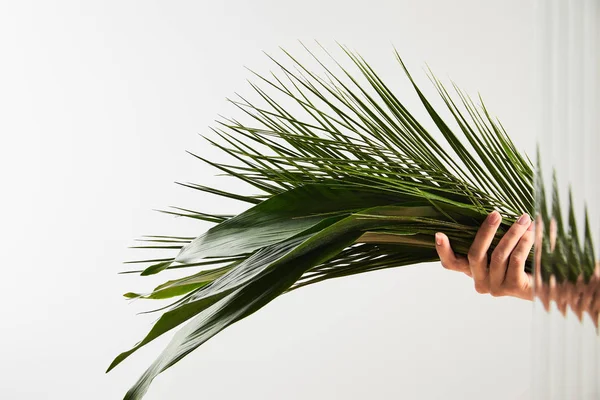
column 517, row 258
column 496, row 292
column 472, row 256
column 498, row 256
column 449, row 266
column 481, row 288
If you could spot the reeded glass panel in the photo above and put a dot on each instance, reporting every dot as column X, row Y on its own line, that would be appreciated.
column 565, row 342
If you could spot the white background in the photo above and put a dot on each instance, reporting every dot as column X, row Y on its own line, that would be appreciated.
column 99, row 101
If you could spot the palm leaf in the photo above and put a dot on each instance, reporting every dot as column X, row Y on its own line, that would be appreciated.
column 350, row 182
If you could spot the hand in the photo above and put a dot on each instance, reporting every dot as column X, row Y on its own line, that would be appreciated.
column 504, row 273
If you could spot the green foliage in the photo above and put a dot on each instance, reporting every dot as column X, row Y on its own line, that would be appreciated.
column 350, row 182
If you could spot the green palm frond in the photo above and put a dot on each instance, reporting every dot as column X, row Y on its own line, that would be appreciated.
column 348, row 182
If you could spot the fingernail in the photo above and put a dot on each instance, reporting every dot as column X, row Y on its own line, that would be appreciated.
column 523, row 219
column 493, row 217
column 438, row 239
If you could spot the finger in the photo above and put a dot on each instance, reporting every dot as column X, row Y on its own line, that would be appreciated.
column 517, row 281
column 591, row 309
column 477, row 255
column 553, row 234
column 449, row 260
column 502, row 252
column 563, row 292
column 553, row 289
column 594, row 317
column 537, row 250
column 542, row 289
column 543, row 293
column 577, row 297
column 596, row 301
column 588, row 294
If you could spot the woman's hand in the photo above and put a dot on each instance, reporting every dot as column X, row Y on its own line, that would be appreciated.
column 503, row 274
